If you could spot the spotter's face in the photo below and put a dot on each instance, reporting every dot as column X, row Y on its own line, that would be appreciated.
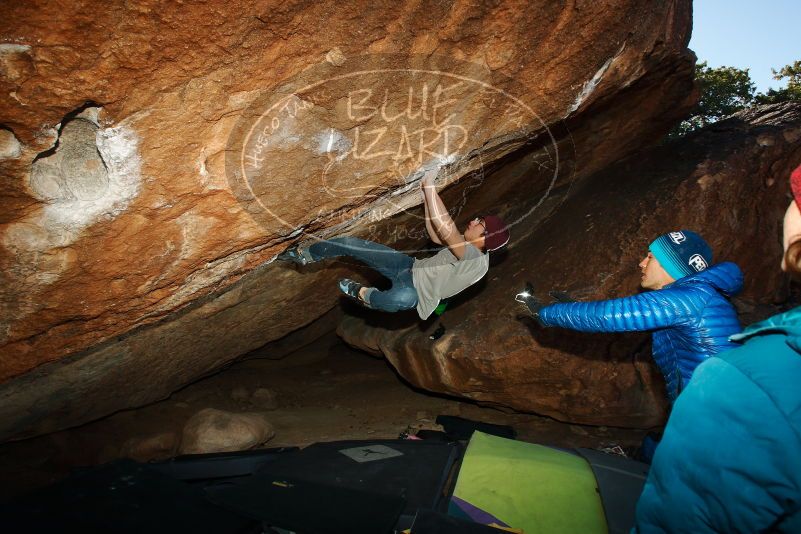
column 792, row 228
column 654, row 276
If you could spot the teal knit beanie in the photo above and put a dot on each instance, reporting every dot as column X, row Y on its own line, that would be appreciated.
column 681, row 253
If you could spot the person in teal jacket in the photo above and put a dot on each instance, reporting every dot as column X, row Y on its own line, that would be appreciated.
column 730, row 458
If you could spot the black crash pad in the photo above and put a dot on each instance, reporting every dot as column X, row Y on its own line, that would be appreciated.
column 620, row 482
column 218, row 465
column 310, row 507
column 415, row 469
column 346, row 486
column 121, row 497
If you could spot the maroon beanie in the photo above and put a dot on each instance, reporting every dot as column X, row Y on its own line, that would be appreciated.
column 497, row 233
column 795, row 184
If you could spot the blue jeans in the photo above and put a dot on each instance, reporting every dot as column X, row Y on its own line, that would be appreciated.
column 394, row 265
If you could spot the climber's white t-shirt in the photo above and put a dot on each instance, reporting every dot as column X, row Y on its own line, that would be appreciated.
column 444, row 275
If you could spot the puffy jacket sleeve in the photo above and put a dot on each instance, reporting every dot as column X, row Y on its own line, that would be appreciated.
column 728, row 461
column 646, row 311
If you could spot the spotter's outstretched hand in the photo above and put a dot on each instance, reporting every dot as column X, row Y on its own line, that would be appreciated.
column 527, row 298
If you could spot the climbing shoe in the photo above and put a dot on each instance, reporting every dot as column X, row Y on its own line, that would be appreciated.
column 351, row 288
column 293, row 255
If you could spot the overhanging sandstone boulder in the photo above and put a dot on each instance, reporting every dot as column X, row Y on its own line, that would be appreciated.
column 129, row 275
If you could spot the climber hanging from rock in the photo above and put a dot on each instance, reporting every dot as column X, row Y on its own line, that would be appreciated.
column 416, row 283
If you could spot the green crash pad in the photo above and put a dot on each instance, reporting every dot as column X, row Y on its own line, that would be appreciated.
column 526, row 486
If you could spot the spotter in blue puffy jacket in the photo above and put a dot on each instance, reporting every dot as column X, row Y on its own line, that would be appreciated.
column 691, row 316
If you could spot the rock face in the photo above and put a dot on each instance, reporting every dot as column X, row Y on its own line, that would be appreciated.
column 135, row 252
column 728, row 182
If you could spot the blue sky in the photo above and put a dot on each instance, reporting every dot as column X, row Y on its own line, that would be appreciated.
column 748, row 34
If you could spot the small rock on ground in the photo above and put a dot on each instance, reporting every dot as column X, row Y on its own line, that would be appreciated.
column 265, row 399
column 150, row 447
column 212, row 430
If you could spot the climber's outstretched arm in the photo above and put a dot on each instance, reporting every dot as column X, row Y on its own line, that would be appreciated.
column 438, row 218
column 432, row 234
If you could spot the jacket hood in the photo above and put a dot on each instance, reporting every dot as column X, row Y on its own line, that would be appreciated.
column 788, row 323
column 725, row 277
